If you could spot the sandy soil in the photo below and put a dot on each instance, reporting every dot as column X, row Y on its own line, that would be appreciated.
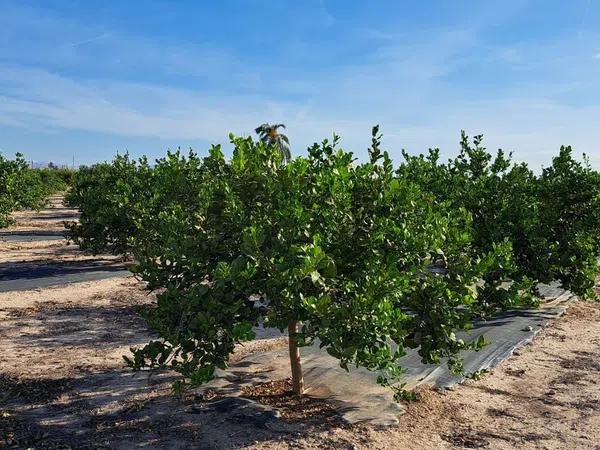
column 57, row 331
column 51, row 219
column 63, row 384
column 61, row 364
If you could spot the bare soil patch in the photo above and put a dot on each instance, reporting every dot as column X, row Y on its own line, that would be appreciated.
column 548, row 396
column 61, row 329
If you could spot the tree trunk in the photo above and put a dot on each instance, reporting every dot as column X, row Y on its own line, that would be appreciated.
column 297, row 378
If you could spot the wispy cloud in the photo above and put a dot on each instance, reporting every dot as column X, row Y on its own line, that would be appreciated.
column 533, row 127
column 89, row 40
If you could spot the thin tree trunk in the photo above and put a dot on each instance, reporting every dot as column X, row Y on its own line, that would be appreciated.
column 297, row 378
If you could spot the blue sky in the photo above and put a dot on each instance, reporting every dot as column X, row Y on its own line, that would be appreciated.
column 89, row 78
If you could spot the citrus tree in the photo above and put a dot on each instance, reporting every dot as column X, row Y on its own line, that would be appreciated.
column 107, row 194
column 570, row 221
column 551, row 220
column 22, row 187
column 365, row 259
column 323, row 247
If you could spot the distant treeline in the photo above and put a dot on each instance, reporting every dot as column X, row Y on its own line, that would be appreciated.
column 24, row 187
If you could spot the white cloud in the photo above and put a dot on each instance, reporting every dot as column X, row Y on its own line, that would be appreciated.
column 534, row 128
column 405, row 84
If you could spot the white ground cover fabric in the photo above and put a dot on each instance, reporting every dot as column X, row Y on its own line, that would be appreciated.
column 357, row 396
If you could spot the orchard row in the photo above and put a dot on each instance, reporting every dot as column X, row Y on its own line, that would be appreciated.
column 370, row 258
column 22, row 187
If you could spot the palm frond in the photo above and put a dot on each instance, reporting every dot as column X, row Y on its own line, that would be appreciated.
column 267, row 134
column 285, row 152
column 262, row 128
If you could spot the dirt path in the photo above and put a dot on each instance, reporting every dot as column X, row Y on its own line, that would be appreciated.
column 35, row 255
column 63, row 385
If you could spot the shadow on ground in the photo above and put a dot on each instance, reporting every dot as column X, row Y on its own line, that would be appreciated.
column 27, row 270
column 77, row 327
column 31, row 235
column 26, row 276
column 65, row 216
column 116, row 409
column 120, row 410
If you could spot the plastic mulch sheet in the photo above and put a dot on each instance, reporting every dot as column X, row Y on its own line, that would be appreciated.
column 26, row 276
column 357, row 396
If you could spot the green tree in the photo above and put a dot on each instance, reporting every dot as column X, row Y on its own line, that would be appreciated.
column 22, row 187
column 365, row 258
column 108, row 196
column 339, row 252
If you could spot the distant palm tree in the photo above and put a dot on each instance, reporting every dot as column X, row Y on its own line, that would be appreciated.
column 269, row 135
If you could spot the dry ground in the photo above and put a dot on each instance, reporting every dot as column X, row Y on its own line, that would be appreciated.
column 63, row 385
column 51, row 219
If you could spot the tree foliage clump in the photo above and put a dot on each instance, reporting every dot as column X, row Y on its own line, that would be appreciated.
column 23, row 187
column 363, row 258
column 107, row 195
column 552, row 220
